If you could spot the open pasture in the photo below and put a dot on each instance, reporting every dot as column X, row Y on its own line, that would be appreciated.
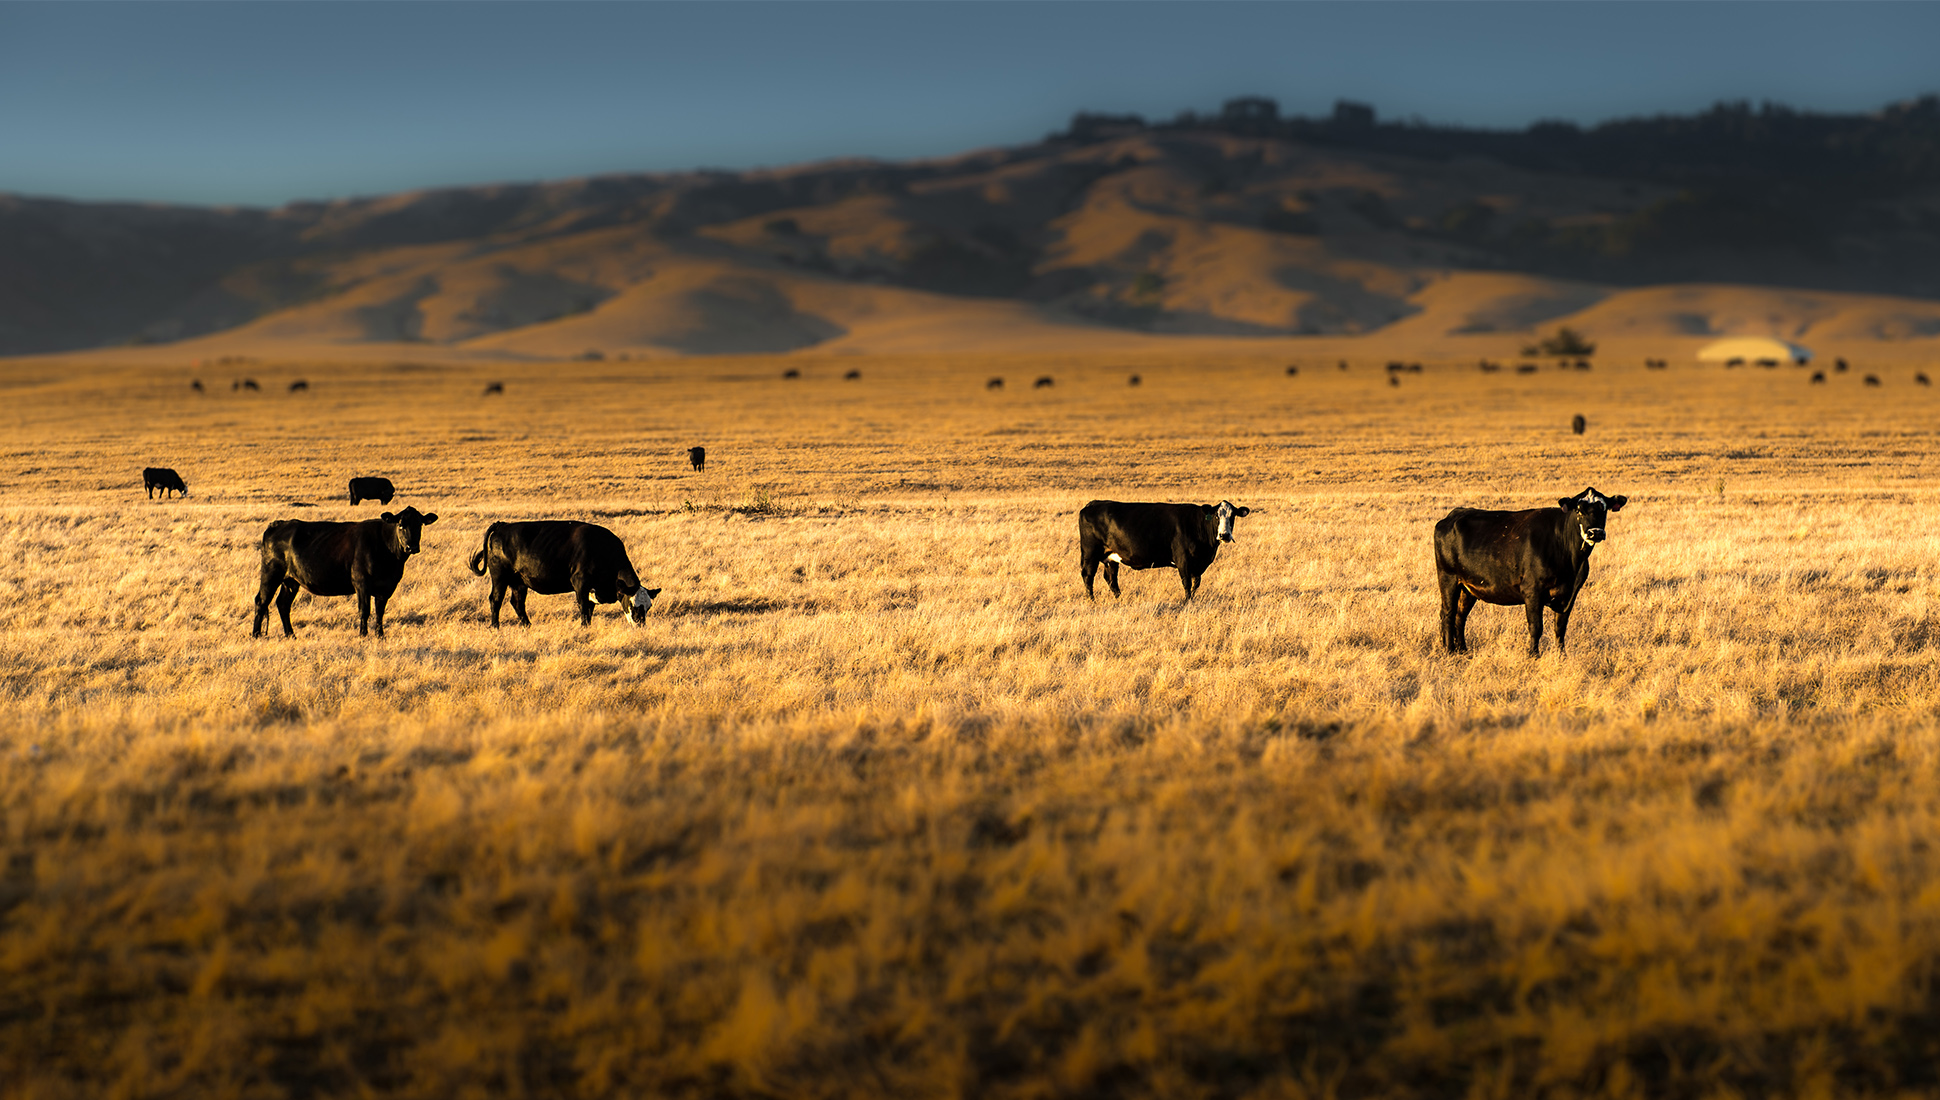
column 877, row 804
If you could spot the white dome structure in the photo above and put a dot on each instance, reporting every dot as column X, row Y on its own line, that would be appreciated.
column 1751, row 349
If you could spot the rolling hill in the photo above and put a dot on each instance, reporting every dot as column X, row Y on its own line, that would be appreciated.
column 1238, row 225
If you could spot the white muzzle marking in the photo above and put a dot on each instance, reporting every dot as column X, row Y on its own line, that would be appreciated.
column 1114, row 558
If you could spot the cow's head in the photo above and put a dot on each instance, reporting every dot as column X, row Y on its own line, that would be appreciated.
column 1222, row 515
column 406, row 527
column 1587, row 511
column 637, row 603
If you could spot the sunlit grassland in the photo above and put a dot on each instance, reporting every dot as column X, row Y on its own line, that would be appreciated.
column 877, row 804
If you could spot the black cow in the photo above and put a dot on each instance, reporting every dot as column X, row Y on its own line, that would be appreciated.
column 250, row 384
column 1292, row 370
column 1921, row 379
column 1872, row 380
column 791, row 372
column 1577, row 423
column 852, row 376
column 299, row 386
column 697, row 458
column 1839, row 366
column 494, row 387
column 378, row 489
column 552, row 556
column 994, row 384
column 364, row 559
column 1044, row 383
column 1152, row 536
column 164, row 479
column 1818, row 377
column 1539, row 557
column 197, row 386
column 1134, row 380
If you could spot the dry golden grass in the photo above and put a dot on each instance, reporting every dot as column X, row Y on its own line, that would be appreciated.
column 877, row 804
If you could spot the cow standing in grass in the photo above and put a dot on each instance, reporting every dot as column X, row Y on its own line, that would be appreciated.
column 1539, row 557
column 163, row 479
column 552, row 556
column 364, row 559
column 1152, row 536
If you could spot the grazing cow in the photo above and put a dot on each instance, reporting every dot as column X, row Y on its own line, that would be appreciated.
column 551, row 556
column 1818, row 377
column 791, row 372
column 250, row 384
column 164, row 479
column 1539, row 557
column 1577, row 423
column 299, row 386
column 363, row 559
column 1525, row 368
column 1734, row 361
column 1395, row 381
column 1396, row 367
column 1135, row 379
column 1872, row 380
column 1044, row 383
column 1921, row 379
column 1768, row 364
column 1488, row 367
column 1838, row 366
column 494, row 387
column 197, row 386
column 852, row 376
column 697, row 458
column 1343, row 364
column 378, row 489
column 1152, row 536
column 1582, row 364
column 1291, row 371
column 994, row 384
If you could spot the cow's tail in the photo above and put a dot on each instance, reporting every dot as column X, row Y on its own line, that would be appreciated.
column 485, row 546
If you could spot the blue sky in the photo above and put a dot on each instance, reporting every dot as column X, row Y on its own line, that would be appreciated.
column 263, row 103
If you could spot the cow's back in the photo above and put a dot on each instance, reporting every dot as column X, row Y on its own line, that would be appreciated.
column 545, row 552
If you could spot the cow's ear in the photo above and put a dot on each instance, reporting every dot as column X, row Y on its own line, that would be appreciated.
column 431, row 519
column 388, row 517
column 1617, row 503
column 653, row 593
column 1242, row 511
column 1566, row 503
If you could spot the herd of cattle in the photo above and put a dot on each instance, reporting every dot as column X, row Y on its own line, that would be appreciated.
column 1537, row 557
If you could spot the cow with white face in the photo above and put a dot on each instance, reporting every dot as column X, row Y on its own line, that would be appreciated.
column 1142, row 535
column 1538, row 557
column 553, row 556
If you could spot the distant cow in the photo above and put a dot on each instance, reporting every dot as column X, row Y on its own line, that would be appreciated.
column 552, row 556
column 1525, row 368
column 1539, row 557
column 1395, row 381
column 1044, row 383
column 1818, row 377
column 1577, row 423
column 1582, row 364
column 697, row 458
column 1838, row 366
column 378, row 489
column 1185, row 537
column 197, row 386
column 1134, row 380
column 791, row 372
column 1872, row 380
column 299, row 386
column 1921, row 379
column 852, row 376
column 494, row 387
column 364, row 559
column 164, row 479
column 994, row 384
column 1292, row 370
column 250, row 384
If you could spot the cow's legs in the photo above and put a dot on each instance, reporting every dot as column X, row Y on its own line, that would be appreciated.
column 1188, row 581
column 584, row 599
column 498, row 600
column 271, row 577
column 518, row 604
column 284, row 600
column 1452, row 640
column 1111, row 578
column 1534, row 606
column 1088, row 569
column 1563, row 624
column 1464, row 603
column 363, row 614
column 381, row 601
